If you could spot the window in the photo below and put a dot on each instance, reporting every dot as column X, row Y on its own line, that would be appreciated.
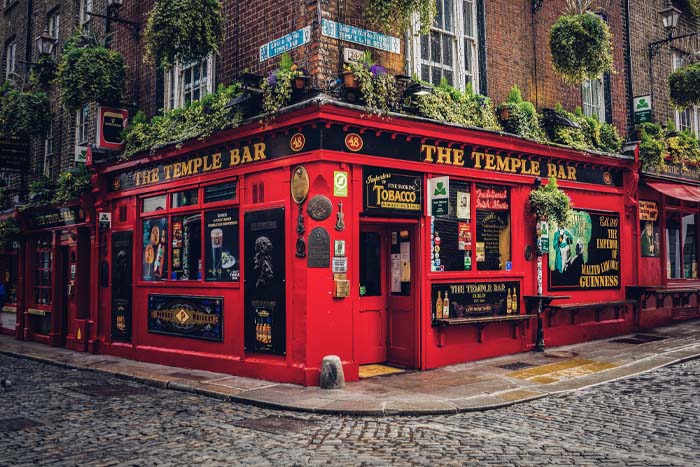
column 53, row 22
column 49, row 150
column 681, row 245
column 593, row 91
column 85, row 10
column 450, row 50
column 184, row 84
column 10, row 59
column 43, row 264
column 185, row 239
column 81, row 125
column 465, row 242
column 370, row 264
column 687, row 119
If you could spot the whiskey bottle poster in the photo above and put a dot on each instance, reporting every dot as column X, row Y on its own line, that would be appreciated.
column 154, row 259
column 264, row 284
column 475, row 299
column 221, row 246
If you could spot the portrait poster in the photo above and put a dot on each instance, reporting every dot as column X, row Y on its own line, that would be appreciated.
column 265, row 286
column 153, row 255
column 649, row 228
column 221, row 245
column 585, row 254
column 464, row 205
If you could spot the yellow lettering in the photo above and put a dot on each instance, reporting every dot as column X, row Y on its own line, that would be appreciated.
column 490, row 158
column 207, row 167
column 246, row 155
column 428, row 149
column 216, row 161
column 562, row 173
column 458, row 157
column 259, row 151
column 196, row 164
column 477, row 159
column 444, row 155
column 535, row 167
column 572, row 173
column 235, row 157
column 186, row 168
column 502, row 164
column 177, row 173
column 551, row 170
column 516, row 165
column 167, row 170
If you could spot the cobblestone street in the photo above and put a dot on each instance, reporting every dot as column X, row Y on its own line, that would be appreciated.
column 650, row 419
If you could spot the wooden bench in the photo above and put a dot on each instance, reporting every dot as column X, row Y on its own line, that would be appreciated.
column 618, row 305
column 481, row 323
column 643, row 293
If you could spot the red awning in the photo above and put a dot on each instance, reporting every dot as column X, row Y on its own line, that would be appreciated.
column 684, row 192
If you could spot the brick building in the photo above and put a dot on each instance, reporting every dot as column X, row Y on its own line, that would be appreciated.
column 405, row 285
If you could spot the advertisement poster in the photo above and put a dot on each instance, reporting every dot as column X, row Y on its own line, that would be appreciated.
column 186, row 316
column 649, row 228
column 392, row 193
column 490, row 225
column 465, row 236
column 221, row 246
column 476, row 299
column 585, row 254
column 154, row 260
column 265, row 281
column 464, row 205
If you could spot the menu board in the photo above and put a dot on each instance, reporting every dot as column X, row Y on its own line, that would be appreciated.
column 154, row 259
column 475, row 299
column 221, row 245
column 586, row 253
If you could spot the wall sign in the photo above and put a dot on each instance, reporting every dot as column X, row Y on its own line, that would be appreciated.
column 186, row 316
column 345, row 32
column 439, row 193
column 685, row 172
column 387, row 192
column 642, row 109
column 319, row 248
column 110, row 124
column 340, row 183
column 265, row 285
column 57, row 217
column 285, row 43
column 319, row 208
column 585, row 255
column 649, row 228
column 474, row 299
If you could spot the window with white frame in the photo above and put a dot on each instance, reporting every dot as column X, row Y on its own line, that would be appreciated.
column 49, row 150
column 593, row 91
column 53, row 22
column 81, row 125
column 185, row 84
column 688, row 118
column 450, row 49
column 85, row 10
column 10, row 59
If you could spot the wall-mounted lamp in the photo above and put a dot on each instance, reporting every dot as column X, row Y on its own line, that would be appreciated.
column 45, row 43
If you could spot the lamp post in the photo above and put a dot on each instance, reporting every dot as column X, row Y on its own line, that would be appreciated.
column 669, row 16
column 539, row 344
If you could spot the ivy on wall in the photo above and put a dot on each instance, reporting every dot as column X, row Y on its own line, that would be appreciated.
column 388, row 14
column 23, row 113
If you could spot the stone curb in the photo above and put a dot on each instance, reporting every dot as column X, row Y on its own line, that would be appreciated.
column 179, row 385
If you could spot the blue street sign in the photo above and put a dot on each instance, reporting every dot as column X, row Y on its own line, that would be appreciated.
column 285, row 43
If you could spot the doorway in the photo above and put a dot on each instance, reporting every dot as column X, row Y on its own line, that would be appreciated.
column 386, row 327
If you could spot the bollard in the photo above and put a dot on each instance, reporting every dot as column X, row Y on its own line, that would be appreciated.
column 332, row 376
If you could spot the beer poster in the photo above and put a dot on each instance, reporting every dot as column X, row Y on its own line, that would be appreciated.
column 265, row 286
column 153, row 257
column 221, row 246
column 649, row 228
column 585, row 254
column 186, row 316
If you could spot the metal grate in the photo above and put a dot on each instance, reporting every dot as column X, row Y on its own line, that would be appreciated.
column 111, row 390
column 638, row 339
column 16, row 424
column 276, row 425
column 516, row 366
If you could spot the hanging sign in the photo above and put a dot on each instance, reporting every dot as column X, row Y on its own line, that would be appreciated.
column 642, row 109
column 391, row 193
column 110, row 124
column 348, row 33
column 439, row 194
column 285, row 43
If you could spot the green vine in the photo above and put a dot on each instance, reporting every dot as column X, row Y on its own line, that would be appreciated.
column 183, row 31
column 467, row 108
column 550, row 202
column 580, row 132
column 41, row 192
column 71, row 184
column 387, row 14
column 581, row 45
column 198, row 120
column 89, row 72
column 9, row 232
column 43, row 72
column 684, row 86
column 277, row 88
column 523, row 119
column 377, row 87
column 660, row 145
column 692, row 7
column 23, row 113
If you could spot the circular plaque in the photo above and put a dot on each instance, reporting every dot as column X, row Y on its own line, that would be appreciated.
column 319, row 208
column 300, row 184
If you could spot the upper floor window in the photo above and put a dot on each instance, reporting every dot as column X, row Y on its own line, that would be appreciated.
column 81, row 125
column 188, row 83
column 688, row 118
column 450, row 50
column 53, row 22
column 49, row 151
column 593, row 91
column 85, row 10
column 10, row 59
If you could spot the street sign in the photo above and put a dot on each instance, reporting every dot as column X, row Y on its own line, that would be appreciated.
column 285, row 43
column 345, row 32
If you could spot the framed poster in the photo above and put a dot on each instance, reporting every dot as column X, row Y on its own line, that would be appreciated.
column 586, row 254
column 153, row 257
column 475, row 299
column 221, row 245
column 186, row 316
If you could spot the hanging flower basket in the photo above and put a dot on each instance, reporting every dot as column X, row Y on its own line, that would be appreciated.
column 183, row 31
column 581, row 47
column 684, row 85
column 551, row 203
column 24, row 113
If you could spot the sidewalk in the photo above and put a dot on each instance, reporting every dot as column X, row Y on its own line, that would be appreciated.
column 481, row 385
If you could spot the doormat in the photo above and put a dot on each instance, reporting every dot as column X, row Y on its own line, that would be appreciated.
column 368, row 371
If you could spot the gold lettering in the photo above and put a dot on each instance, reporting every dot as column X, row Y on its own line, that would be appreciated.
column 502, row 164
column 196, row 164
column 428, row 149
column 246, row 155
column 235, row 157
column 490, row 162
column 207, row 167
column 177, row 173
column 535, row 167
column 167, row 170
column 186, row 168
column 572, row 173
column 444, row 155
column 458, row 157
column 516, row 165
column 259, row 151
column 551, row 170
column 216, row 161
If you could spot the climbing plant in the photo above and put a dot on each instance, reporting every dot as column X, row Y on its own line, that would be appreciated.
column 388, row 14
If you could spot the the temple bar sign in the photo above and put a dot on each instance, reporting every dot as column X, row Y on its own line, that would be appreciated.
column 110, row 124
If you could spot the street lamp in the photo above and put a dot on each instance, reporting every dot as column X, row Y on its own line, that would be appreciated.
column 539, row 342
column 45, row 43
column 670, row 15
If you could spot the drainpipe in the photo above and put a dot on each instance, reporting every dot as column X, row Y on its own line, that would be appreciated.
column 628, row 71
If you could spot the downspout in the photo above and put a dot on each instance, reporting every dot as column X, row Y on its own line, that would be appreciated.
column 28, row 45
column 628, row 71
column 536, row 6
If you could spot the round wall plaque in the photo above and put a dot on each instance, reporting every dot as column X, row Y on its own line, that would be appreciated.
column 300, row 184
column 319, row 208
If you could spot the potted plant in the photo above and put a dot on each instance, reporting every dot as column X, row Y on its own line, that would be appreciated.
column 684, row 85
column 277, row 88
column 520, row 117
column 71, row 184
column 89, row 72
column 182, row 31
column 388, row 14
column 377, row 87
column 9, row 232
column 580, row 43
column 349, row 80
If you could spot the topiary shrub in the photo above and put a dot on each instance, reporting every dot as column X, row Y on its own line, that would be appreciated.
column 89, row 72
column 580, row 43
column 183, row 31
column 684, row 86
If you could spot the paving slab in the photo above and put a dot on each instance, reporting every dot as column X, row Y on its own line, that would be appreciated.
column 480, row 385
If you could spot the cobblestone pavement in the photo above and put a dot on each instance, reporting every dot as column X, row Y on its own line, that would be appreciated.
column 650, row 419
